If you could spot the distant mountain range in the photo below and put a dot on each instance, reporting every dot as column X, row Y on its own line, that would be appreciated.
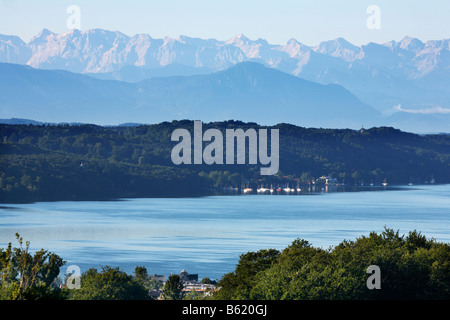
column 406, row 82
column 248, row 91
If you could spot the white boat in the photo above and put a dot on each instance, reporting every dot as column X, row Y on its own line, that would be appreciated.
column 230, row 189
column 247, row 190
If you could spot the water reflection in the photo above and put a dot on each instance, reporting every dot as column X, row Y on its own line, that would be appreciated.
column 206, row 235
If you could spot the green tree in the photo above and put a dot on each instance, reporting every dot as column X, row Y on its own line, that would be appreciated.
column 110, row 284
column 26, row 276
column 207, row 281
column 141, row 276
column 412, row 267
column 173, row 289
column 305, row 177
column 193, row 295
column 238, row 284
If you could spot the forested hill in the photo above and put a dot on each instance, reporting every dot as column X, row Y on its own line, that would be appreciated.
column 87, row 162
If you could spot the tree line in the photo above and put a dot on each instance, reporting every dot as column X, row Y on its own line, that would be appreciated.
column 412, row 267
column 86, row 162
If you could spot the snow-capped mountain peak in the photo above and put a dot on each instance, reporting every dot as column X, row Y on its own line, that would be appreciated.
column 238, row 40
column 41, row 37
column 339, row 48
column 411, row 44
column 98, row 51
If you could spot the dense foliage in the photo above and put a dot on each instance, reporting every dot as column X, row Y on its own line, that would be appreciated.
column 27, row 276
column 173, row 288
column 82, row 162
column 411, row 267
column 36, row 276
column 110, row 284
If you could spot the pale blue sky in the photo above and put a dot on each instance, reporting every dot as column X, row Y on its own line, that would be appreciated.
column 310, row 22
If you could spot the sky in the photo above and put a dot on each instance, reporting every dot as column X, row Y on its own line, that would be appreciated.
column 277, row 21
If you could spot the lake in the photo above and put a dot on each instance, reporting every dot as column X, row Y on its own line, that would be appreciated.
column 206, row 235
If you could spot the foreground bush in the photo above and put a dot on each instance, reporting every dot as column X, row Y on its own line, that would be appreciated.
column 110, row 284
column 26, row 276
column 411, row 267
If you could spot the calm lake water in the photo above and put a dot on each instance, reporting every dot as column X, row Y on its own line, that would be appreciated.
column 207, row 235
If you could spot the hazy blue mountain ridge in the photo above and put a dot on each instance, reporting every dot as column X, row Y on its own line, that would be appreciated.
column 247, row 91
column 407, row 81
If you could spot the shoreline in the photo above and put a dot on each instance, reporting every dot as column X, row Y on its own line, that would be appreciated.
column 222, row 192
